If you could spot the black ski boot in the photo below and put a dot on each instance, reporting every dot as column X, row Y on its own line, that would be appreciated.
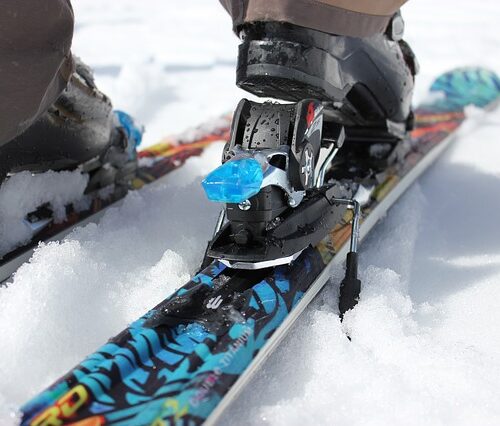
column 79, row 130
column 290, row 171
column 368, row 82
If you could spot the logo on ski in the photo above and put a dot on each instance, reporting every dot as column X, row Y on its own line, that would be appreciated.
column 214, row 302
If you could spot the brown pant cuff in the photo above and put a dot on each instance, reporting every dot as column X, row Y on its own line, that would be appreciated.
column 35, row 60
column 308, row 13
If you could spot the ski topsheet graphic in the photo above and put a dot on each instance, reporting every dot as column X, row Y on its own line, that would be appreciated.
column 186, row 359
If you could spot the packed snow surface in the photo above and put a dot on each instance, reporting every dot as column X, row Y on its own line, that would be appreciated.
column 24, row 192
column 425, row 346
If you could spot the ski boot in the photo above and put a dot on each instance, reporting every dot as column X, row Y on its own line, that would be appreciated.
column 283, row 167
column 81, row 133
column 80, row 130
column 365, row 84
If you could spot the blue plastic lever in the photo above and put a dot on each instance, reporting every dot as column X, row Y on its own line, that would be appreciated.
column 235, row 181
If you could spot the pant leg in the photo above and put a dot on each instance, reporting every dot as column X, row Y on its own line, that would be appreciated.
column 356, row 18
column 35, row 60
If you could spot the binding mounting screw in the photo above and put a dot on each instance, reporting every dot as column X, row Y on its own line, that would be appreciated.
column 245, row 205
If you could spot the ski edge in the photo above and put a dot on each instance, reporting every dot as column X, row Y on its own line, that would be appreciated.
column 377, row 214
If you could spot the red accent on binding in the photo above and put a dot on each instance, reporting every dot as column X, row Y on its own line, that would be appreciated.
column 310, row 114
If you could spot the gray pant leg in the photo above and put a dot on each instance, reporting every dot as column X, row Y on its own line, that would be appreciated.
column 35, row 60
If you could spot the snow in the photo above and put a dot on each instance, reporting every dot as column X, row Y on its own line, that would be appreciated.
column 425, row 339
column 24, row 192
column 425, row 346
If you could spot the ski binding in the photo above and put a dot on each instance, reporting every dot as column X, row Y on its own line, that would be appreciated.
column 272, row 181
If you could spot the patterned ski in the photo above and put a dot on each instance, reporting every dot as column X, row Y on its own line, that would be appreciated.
column 185, row 360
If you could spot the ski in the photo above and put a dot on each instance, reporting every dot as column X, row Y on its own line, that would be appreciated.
column 155, row 162
column 187, row 359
